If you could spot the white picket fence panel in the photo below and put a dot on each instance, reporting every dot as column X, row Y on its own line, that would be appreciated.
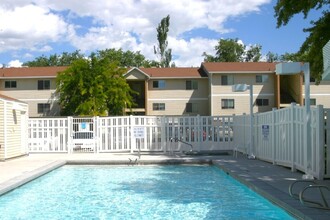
column 48, row 135
column 279, row 138
column 117, row 134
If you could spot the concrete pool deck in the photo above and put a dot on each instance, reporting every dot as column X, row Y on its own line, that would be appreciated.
column 269, row 180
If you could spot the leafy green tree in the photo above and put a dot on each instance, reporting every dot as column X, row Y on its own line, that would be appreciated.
column 272, row 57
column 319, row 32
column 65, row 59
column 253, row 54
column 230, row 50
column 94, row 86
column 164, row 53
column 125, row 58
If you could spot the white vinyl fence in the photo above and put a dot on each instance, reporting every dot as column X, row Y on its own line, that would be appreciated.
column 279, row 137
column 130, row 134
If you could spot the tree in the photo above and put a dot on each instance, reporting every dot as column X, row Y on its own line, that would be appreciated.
column 230, row 50
column 164, row 53
column 126, row 58
column 94, row 86
column 319, row 32
column 272, row 57
column 253, row 54
column 65, row 59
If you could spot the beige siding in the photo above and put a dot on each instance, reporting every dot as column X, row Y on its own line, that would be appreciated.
column 241, row 99
column 321, row 93
column 136, row 75
column 178, row 107
column 27, row 91
column 13, row 136
column 241, row 105
column 33, row 108
column 175, row 96
column 2, row 131
column 267, row 87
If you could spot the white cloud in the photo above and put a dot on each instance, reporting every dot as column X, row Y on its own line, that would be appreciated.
column 15, row 63
column 29, row 26
column 35, row 26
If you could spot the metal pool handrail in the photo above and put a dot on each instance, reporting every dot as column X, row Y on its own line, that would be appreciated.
column 307, row 202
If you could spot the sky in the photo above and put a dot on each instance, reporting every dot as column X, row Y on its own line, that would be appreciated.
column 32, row 28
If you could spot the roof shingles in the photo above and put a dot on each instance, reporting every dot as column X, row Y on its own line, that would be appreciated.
column 26, row 72
column 239, row 66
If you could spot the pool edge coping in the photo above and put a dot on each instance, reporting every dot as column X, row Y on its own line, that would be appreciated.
column 277, row 201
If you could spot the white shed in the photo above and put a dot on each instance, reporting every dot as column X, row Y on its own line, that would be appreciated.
column 13, row 128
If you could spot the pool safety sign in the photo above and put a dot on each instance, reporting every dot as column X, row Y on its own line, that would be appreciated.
column 265, row 132
column 139, row 132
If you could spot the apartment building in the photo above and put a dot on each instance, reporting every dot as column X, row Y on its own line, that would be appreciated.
column 33, row 85
column 204, row 90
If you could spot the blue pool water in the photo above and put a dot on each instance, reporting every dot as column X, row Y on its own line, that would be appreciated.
column 139, row 192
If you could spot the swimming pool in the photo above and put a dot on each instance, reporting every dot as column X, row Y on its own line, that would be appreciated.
column 138, row 192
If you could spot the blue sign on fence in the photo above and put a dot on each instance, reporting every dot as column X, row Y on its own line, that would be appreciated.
column 265, row 132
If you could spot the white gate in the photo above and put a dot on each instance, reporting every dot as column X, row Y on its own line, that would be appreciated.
column 83, row 134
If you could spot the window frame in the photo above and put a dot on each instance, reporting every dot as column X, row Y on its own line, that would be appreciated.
column 12, row 84
column 41, row 108
column 158, row 84
column 312, row 101
column 42, row 84
column 158, row 106
column 225, row 104
column 191, row 85
column 191, row 107
column 262, row 102
column 262, row 78
column 227, row 80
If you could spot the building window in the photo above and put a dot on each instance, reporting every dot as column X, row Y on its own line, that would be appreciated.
column 227, row 80
column 158, row 84
column 191, row 85
column 10, row 84
column 43, row 108
column 311, row 101
column 158, row 106
column 262, row 102
column 43, row 84
column 227, row 103
column 191, row 107
column 261, row 78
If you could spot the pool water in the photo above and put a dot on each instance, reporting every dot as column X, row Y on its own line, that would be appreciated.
column 136, row 192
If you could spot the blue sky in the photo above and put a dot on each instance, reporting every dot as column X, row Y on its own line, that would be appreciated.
column 29, row 29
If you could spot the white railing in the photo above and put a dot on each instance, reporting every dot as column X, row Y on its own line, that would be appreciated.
column 116, row 134
column 279, row 138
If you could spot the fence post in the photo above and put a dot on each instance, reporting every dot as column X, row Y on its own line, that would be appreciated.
column 132, row 142
column 199, row 131
column 162, row 137
column 70, row 135
column 320, row 145
column 292, row 136
column 273, row 144
column 326, row 117
column 96, row 134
